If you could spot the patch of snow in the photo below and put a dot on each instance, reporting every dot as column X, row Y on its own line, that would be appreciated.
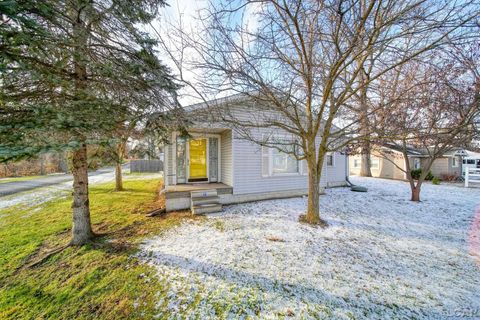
column 381, row 257
column 41, row 195
column 37, row 196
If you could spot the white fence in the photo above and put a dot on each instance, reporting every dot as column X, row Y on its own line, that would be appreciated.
column 472, row 176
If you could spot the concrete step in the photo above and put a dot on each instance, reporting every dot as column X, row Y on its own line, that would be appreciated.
column 205, row 200
column 203, row 193
column 207, row 208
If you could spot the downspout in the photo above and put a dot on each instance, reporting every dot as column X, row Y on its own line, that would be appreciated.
column 347, row 169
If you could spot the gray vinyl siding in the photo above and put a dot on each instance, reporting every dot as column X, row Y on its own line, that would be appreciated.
column 444, row 166
column 455, row 170
column 439, row 167
column 247, row 163
column 241, row 164
column 248, row 172
column 226, row 158
column 336, row 174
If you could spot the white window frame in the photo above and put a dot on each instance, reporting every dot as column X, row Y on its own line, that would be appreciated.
column 454, row 162
column 356, row 163
column 196, row 135
column 268, row 172
column 286, row 155
column 371, row 163
column 415, row 162
column 330, row 154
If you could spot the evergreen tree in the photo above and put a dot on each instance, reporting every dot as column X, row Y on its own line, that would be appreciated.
column 70, row 72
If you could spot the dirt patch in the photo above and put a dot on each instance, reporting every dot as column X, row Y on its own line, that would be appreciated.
column 275, row 239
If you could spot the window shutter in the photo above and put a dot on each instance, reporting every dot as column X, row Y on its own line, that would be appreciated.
column 181, row 160
column 265, row 162
column 213, row 155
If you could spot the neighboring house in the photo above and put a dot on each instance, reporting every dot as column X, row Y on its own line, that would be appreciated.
column 387, row 162
column 217, row 157
column 471, row 160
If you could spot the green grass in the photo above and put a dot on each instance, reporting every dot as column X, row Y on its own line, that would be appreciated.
column 97, row 281
column 138, row 174
column 5, row 180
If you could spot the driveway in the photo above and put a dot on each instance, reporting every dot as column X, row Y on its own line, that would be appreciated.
column 28, row 194
column 14, row 187
column 9, row 188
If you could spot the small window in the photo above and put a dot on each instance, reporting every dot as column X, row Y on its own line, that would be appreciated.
column 330, row 159
column 374, row 163
column 470, row 161
column 464, row 161
column 416, row 164
column 454, row 162
column 356, row 163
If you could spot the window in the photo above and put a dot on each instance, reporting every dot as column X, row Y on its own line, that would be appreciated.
column 454, row 162
column 330, row 159
column 374, row 163
column 181, row 160
column 356, row 163
column 275, row 162
column 416, row 163
column 283, row 163
column 470, row 161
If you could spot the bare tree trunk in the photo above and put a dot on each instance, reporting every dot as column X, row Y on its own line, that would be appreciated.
column 81, row 229
column 416, row 193
column 118, row 177
column 42, row 165
column 120, row 153
column 365, row 170
column 313, row 206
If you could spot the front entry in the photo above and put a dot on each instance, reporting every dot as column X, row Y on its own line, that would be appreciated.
column 198, row 160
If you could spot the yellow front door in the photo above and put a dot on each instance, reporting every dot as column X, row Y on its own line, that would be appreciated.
column 198, row 158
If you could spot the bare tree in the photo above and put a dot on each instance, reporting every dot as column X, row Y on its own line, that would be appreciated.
column 299, row 63
column 430, row 106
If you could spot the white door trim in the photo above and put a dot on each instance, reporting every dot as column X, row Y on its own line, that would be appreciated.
column 187, row 151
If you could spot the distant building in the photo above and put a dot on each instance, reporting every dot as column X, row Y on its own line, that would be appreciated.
column 387, row 162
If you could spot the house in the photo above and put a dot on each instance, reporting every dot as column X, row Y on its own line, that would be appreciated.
column 217, row 157
column 387, row 162
column 471, row 160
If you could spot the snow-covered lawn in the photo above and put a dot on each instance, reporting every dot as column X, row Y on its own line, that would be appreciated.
column 383, row 257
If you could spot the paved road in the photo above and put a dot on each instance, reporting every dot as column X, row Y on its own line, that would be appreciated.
column 9, row 188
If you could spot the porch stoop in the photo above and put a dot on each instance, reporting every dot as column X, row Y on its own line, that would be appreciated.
column 205, row 201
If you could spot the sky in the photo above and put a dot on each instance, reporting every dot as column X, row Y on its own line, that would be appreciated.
column 186, row 14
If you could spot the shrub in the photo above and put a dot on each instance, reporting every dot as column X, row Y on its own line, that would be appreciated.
column 429, row 176
column 449, row 177
column 435, row 180
column 416, row 173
